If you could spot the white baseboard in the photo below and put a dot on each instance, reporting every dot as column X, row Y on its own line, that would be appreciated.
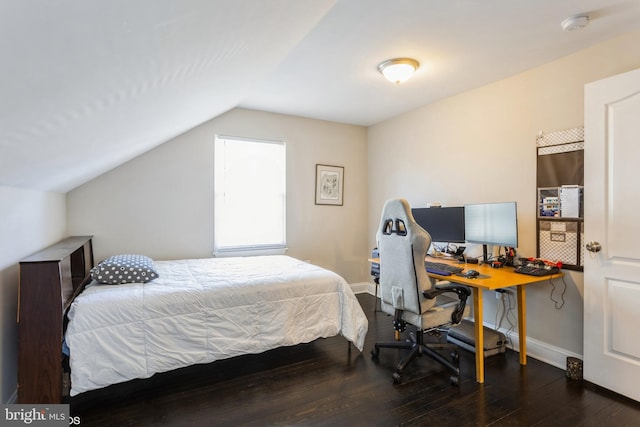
column 362, row 288
column 544, row 352
column 539, row 350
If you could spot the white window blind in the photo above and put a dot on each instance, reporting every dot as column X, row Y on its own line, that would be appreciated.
column 250, row 195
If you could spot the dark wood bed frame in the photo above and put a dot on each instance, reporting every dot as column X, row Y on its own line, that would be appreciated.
column 49, row 281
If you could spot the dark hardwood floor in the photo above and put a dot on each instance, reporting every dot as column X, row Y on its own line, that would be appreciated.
column 324, row 383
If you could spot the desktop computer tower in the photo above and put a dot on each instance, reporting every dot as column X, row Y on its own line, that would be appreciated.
column 463, row 335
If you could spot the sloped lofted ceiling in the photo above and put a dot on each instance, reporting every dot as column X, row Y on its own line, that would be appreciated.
column 88, row 85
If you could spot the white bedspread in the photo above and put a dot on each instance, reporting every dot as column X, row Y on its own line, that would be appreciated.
column 202, row 310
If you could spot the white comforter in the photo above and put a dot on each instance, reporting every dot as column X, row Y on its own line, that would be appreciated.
column 201, row 310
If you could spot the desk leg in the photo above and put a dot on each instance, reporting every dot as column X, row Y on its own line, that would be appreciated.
column 479, row 334
column 522, row 323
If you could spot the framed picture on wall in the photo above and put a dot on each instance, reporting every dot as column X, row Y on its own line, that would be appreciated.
column 329, row 185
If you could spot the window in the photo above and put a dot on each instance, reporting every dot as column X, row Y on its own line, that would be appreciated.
column 250, row 195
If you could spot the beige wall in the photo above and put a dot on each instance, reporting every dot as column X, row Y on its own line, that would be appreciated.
column 479, row 146
column 30, row 221
column 161, row 203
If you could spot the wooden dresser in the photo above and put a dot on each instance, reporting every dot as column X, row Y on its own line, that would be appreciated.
column 48, row 280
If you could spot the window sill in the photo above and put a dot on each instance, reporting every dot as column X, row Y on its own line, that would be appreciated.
column 239, row 252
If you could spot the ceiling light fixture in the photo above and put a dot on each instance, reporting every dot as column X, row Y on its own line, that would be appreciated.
column 398, row 70
column 576, row 22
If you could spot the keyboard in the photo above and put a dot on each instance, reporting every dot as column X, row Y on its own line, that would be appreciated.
column 438, row 272
column 536, row 270
column 441, row 268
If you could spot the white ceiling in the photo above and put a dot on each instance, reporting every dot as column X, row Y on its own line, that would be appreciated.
column 88, row 85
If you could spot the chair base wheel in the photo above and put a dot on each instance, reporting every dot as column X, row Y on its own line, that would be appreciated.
column 416, row 347
column 397, row 378
column 374, row 353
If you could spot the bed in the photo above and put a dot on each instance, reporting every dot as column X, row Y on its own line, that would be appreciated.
column 203, row 310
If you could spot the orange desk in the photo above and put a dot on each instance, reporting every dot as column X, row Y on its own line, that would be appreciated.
column 492, row 279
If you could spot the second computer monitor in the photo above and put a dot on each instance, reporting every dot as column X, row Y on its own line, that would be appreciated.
column 492, row 224
column 443, row 224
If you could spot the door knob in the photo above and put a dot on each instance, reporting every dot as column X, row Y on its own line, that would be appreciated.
column 594, row 247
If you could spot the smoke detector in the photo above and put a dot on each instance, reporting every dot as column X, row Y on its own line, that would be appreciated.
column 576, row 22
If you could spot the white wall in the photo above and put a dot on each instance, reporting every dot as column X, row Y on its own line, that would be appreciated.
column 29, row 222
column 479, row 146
column 161, row 203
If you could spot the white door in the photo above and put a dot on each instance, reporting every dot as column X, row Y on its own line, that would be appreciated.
column 612, row 219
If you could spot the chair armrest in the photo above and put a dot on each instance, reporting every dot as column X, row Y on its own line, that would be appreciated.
column 463, row 293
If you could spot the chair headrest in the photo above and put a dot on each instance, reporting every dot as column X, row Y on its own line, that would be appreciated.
column 397, row 219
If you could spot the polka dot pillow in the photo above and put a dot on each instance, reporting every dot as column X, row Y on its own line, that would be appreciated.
column 128, row 268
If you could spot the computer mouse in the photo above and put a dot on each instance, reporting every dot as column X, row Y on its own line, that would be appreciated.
column 471, row 273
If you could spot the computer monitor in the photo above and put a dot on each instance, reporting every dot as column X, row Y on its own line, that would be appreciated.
column 443, row 224
column 491, row 224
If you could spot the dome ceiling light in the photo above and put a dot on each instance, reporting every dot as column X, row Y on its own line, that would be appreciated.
column 398, row 70
column 576, row 22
